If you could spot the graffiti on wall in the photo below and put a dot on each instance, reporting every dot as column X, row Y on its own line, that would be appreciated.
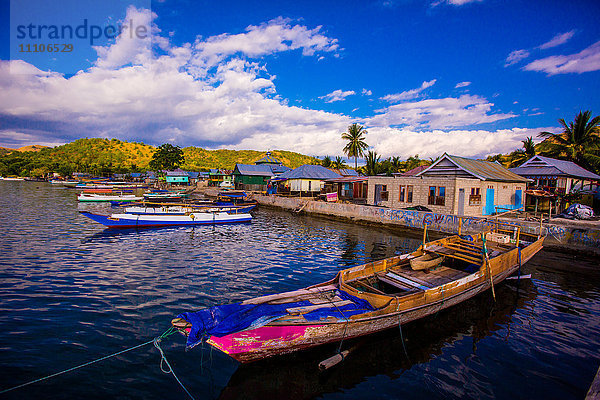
column 450, row 224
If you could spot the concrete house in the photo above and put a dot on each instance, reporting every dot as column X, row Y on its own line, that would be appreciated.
column 452, row 185
column 307, row 179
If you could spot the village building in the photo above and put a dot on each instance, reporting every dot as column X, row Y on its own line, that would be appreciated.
column 256, row 177
column 220, row 178
column 556, row 176
column 306, row 180
column 451, row 185
column 552, row 179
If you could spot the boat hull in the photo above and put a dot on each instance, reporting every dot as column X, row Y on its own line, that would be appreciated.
column 281, row 337
column 107, row 198
column 149, row 221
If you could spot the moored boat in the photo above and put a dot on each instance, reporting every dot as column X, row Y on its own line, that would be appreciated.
column 96, row 197
column 364, row 299
column 127, row 220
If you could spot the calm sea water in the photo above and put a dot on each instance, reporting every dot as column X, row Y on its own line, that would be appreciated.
column 71, row 292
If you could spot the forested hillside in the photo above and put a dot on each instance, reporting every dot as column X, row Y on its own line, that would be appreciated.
column 106, row 156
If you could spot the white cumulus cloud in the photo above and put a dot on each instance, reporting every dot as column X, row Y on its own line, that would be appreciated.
column 439, row 113
column 462, row 84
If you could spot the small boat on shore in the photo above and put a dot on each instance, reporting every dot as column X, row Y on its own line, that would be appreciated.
column 11, row 179
column 127, row 220
column 364, row 299
column 99, row 197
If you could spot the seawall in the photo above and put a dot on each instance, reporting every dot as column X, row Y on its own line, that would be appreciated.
column 566, row 235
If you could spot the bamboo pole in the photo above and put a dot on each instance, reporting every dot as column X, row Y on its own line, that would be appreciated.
column 487, row 263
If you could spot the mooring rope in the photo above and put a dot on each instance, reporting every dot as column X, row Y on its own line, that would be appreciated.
column 156, row 340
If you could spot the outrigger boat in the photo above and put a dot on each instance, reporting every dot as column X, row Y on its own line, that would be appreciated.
column 127, row 220
column 364, row 299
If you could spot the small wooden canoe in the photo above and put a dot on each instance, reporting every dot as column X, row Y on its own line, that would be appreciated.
column 426, row 261
column 359, row 300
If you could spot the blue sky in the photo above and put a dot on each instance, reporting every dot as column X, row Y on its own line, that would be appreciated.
column 471, row 78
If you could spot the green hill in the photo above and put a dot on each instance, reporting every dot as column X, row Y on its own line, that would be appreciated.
column 106, row 156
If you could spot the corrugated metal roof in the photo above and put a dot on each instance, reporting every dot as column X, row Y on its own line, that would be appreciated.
column 415, row 171
column 567, row 168
column 486, row 170
column 310, row 172
column 255, row 170
column 489, row 171
column 349, row 179
column 345, row 172
column 537, row 171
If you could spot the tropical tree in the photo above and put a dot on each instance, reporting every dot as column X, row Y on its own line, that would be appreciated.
column 519, row 156
column 338, row 163
column 372, row 166
column 166, row 157
column 578, row 142
column 326, row 162
column 356, row 145
column 396, row 164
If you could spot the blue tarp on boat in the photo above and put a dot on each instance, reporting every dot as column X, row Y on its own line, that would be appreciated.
column 230, row 318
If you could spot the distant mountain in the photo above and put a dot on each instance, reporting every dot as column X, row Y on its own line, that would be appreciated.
column 104, row 156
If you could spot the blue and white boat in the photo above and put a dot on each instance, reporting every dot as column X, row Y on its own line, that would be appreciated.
column 127, row 220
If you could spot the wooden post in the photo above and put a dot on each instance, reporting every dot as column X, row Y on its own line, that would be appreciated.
column 541, row 220
column 424, row 234
column 460, row 225
column 518, row 235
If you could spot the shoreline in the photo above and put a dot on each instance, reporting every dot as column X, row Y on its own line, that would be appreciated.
column 571, row 236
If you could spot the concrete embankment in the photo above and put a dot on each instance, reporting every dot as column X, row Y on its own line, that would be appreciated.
column 581, row 236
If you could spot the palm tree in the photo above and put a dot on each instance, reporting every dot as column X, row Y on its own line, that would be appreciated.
column 372, row 163
column 356, row 142
column 396, row 164
column 326, row 162
column 519, row 156
column 578, row 142
column 338, row 163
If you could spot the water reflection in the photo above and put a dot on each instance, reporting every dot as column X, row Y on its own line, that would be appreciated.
column 297, row 376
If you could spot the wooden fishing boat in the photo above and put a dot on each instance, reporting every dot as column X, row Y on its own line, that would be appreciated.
column 361, row 300
column 174, row 219
column 159, row 208
column 107, row 197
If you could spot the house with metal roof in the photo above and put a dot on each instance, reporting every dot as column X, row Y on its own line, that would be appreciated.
column 307, row 178
column 555, row 176
column 256, row 177
column 452, row 185
column 220, row 177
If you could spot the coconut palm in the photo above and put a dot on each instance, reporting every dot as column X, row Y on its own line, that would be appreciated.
column 326, row 162
column 372, row 163
column 396, row 164
column 338, row 163
column 356, row 145
column 519, row 156
column 578, row 142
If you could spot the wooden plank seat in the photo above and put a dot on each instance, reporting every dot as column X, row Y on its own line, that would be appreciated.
column 408, row 280
column 455, row 253
column 305, row 309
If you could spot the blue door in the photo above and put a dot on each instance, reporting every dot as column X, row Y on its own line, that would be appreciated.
column 518, row 198
column 489, row 202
